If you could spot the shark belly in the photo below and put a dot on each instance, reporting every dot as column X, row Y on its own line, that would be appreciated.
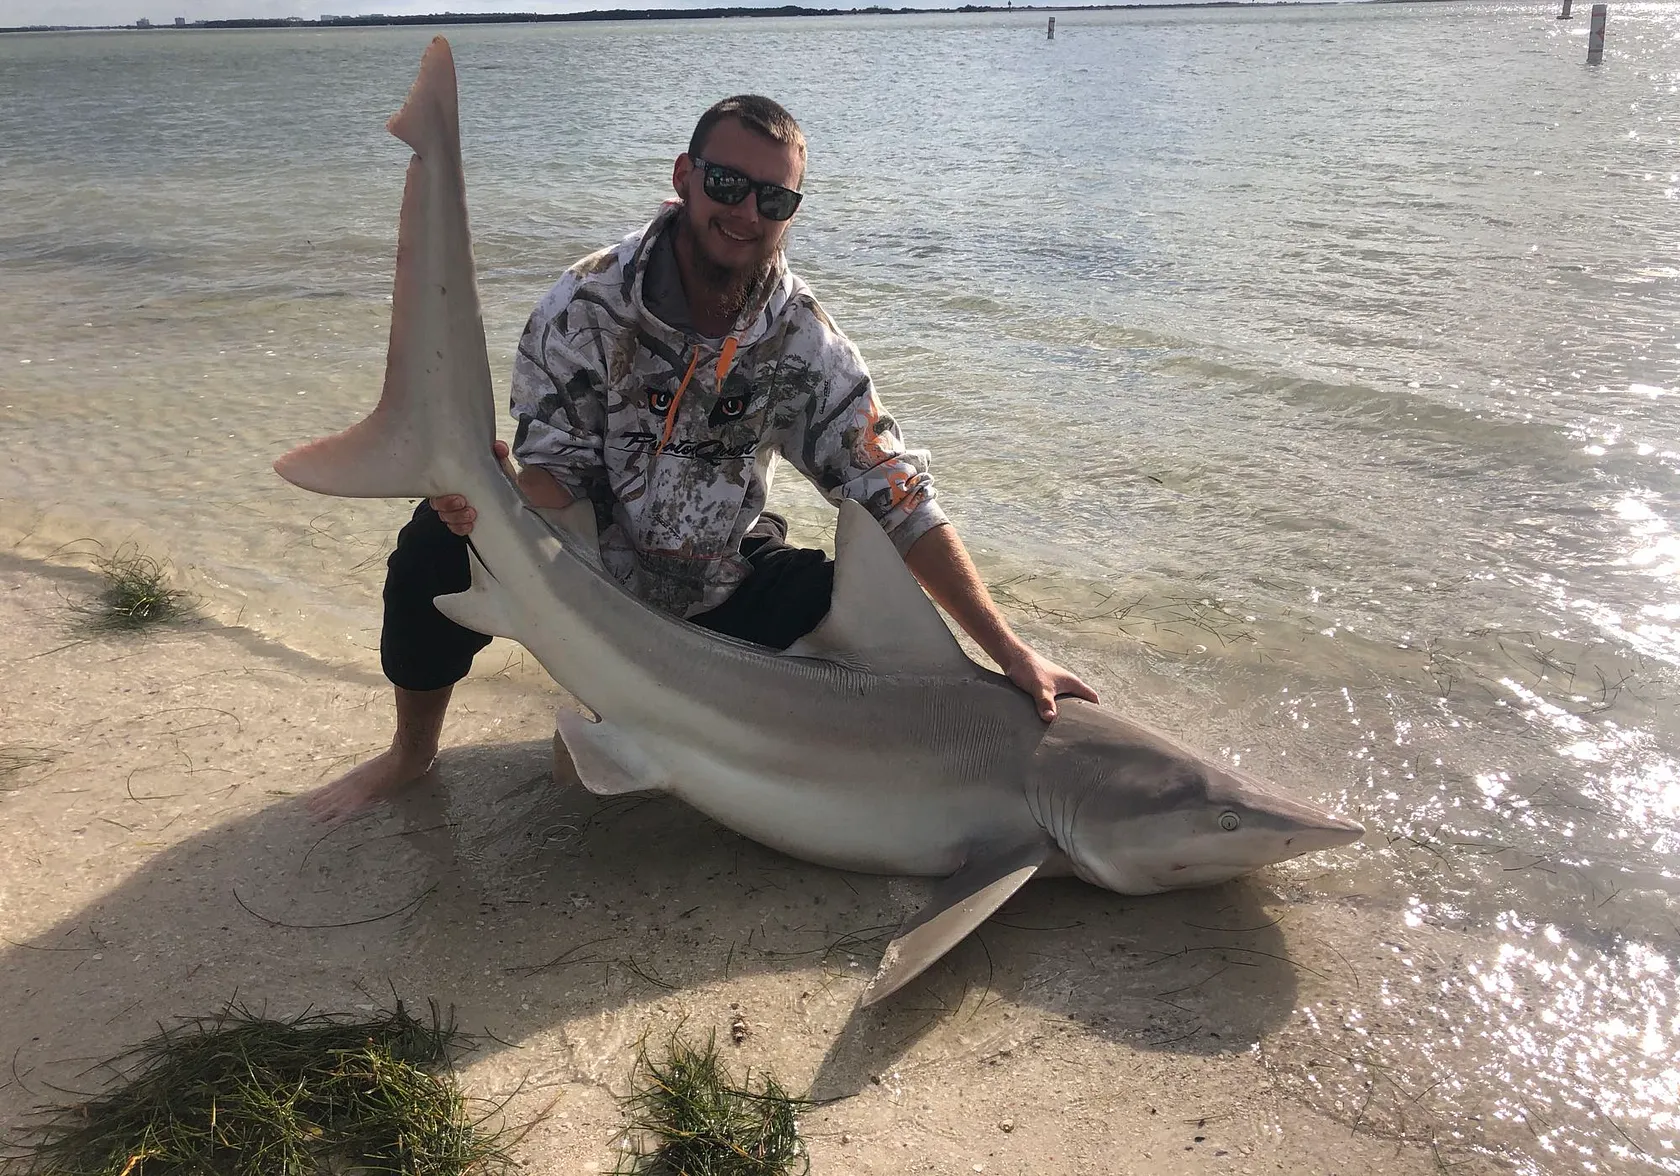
column 840, row 816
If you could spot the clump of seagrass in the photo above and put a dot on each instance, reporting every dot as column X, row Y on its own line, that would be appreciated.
column 136, row 593
column 243, row 1095
column 698, row 1122
column 15, row 759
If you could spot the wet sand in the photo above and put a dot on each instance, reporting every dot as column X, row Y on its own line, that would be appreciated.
column 157, row 861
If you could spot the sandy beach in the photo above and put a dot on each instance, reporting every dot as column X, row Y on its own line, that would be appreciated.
column 158, row 862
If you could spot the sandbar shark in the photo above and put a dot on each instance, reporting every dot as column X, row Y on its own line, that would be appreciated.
column 874, row 744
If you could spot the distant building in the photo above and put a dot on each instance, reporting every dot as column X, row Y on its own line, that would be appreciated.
column 180, row 22
column 142, row 23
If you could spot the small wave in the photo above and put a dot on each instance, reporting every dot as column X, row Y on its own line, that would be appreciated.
column 95, row 254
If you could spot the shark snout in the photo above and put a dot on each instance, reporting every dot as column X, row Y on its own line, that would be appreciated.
column 1287, row 826
column 1324, row 831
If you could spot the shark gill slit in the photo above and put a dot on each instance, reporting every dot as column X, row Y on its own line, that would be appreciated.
column 946, row 723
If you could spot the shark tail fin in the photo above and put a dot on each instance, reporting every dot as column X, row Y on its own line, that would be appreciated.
column 430, row 116
column 436, row 409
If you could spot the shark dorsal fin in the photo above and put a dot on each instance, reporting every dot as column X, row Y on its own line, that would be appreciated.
column 880, row 618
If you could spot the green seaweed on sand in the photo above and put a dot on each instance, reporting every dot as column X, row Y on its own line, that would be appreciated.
column 243, row 1095
column 17, row 758
column 688, row 1117
column 136, row 593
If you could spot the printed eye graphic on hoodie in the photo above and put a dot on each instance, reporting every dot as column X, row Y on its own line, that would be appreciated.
column 727, row 408
column 724, row 410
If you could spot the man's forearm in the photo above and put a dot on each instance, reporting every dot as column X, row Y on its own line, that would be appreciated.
column 940, row 561
column 539, row 487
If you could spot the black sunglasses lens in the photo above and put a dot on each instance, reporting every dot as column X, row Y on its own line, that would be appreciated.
column 728, row 186
column 777, row 203
column 725, row 185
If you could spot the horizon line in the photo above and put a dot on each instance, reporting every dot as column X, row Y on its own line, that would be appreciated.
column 377, row 20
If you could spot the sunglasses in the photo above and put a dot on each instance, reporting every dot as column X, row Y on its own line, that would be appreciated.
column 728, row 186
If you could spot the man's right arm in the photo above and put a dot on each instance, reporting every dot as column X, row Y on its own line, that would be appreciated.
column 558, row 401
column 539, row 486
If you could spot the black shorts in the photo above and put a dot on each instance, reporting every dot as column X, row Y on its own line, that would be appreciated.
column 783, row 598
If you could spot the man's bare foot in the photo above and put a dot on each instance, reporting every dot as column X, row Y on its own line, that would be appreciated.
column 367, row 785
column 410, row 756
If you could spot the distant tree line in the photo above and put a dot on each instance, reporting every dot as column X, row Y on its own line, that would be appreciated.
column 461, row 18
column 466, row 18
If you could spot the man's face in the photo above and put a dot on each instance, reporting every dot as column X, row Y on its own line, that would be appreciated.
column 734, row 237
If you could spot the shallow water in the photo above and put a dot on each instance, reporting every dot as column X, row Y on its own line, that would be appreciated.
column 1306, row 378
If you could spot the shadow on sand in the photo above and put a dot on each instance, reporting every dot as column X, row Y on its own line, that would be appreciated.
column 529, row 904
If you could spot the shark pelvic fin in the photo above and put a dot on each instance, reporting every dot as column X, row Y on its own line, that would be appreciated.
column 879, row 618
column 486, row 607
column 960, row 904
column 575, row 524
column 436, row 411
column 608, row 762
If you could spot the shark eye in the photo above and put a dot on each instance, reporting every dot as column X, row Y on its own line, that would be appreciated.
column 1229, row 821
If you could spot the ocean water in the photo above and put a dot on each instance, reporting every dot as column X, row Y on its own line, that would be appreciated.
column 1308, row 379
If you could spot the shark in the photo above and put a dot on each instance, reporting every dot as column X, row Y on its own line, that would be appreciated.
column 874, row 744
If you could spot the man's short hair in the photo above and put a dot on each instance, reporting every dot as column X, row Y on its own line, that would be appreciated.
column 756, row 113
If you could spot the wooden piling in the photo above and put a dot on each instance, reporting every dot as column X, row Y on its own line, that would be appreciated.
column 1595, row 38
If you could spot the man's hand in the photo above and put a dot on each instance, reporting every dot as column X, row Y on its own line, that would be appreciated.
column 1043, row 680
column 940, row 561
column 456, row 511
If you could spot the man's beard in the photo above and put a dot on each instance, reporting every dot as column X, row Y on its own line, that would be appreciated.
column 728, row 286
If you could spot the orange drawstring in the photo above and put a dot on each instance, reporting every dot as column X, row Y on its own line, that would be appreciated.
column 676, row 402
column 725, row 357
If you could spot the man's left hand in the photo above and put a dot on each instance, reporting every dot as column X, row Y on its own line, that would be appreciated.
column 1043, row 680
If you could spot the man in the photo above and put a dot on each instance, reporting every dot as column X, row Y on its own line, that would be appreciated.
column 662, row 379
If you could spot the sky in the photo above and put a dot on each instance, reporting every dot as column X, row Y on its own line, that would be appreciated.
column 14, row 13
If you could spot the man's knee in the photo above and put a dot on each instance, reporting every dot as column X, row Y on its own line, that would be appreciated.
column 419, row 647
column 428, row 557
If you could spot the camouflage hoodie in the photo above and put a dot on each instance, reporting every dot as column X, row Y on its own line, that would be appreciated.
column 676, row 437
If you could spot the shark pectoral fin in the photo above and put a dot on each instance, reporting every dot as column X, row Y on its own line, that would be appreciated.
column 607, row 762
column 486, row 607
column 963, row 901
column 879, row 617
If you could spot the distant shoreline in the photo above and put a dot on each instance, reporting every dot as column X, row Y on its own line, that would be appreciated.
column 478, row 18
